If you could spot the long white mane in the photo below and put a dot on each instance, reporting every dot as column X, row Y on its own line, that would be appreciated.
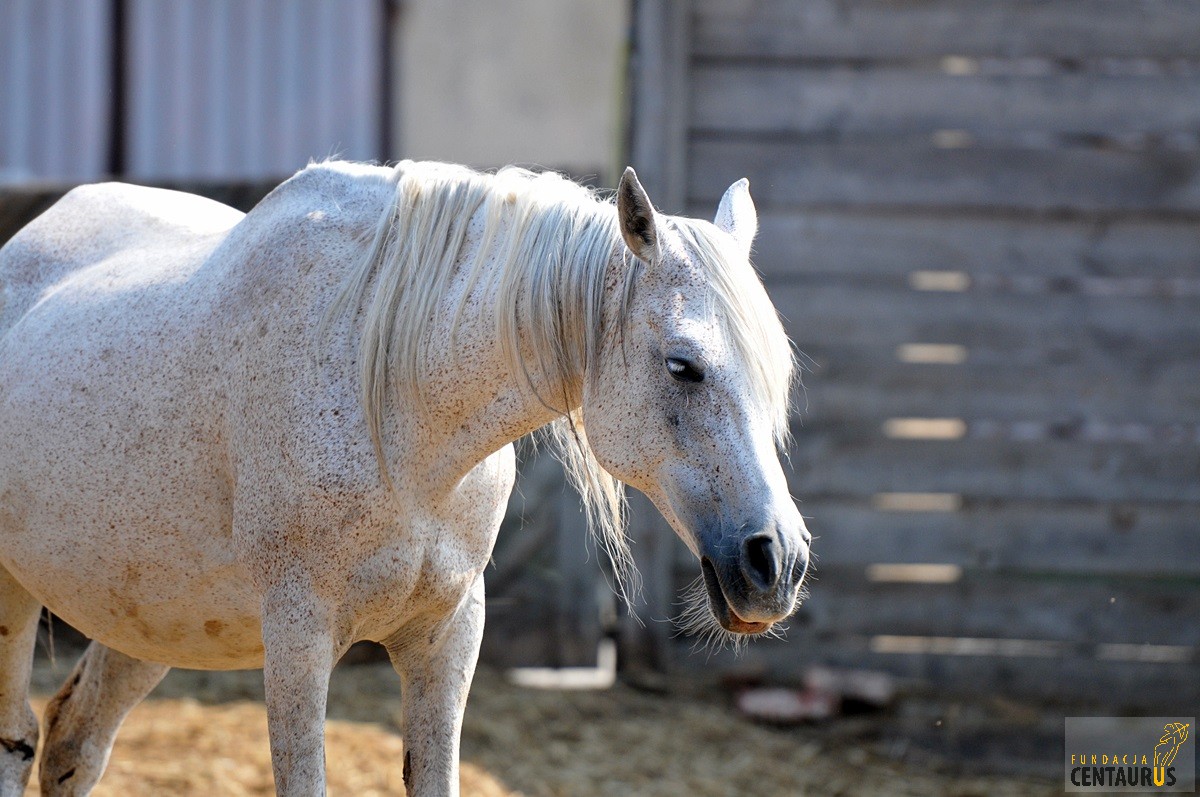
column 550, row 241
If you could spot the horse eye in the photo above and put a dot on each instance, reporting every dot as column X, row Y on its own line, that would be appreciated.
column 684, row 371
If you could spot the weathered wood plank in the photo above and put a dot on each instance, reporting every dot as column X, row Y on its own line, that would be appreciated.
column 644, row 637
column 859, row 243
column 804, row 100
column 820, row 313
column 1101, row 412
column 851, row 384
column 542, row 589
column 860, row 461
column 864, row 29
column 1102, row 538
column 578, row 576
column 1149, row 687
column 1082, row 610
column 659, row 109
column 917, row 176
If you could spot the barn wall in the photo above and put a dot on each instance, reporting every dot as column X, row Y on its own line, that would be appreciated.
column 512, row 81
column 982, row 224
column 157, row 90
column 246, row 90
column 239, row 90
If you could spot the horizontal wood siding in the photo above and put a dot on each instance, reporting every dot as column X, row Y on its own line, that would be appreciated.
column 860, row 459
column 1068, row 612
column 1018, row 184
column 866, row 30
column 805, row 100
column 917, row 176
column 1064, row 389
column 861, row 242
column 841, row 311
column 1021, row 536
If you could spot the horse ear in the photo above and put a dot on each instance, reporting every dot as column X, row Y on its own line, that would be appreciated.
column 636, row 216
column 736, row 215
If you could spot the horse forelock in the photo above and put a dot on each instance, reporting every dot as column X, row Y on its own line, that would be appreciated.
column 747, row 317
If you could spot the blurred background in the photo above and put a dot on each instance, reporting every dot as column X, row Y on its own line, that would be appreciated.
column 242, row 90
column 981, row 222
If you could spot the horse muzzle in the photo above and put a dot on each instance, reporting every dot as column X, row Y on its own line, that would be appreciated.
column 753, row 581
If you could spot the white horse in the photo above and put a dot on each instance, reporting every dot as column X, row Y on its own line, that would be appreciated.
column 235, row 441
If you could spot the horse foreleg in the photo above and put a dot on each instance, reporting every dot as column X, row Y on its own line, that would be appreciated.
column 299, row 654
column 83, row 718
column 435, row 678
column 18, row 724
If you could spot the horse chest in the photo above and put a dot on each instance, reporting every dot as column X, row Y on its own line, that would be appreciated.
column 441, row 547
column 415, row 581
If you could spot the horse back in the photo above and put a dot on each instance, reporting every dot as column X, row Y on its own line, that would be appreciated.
column 92, row 223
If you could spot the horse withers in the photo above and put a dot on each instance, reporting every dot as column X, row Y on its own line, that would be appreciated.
column 235, row 441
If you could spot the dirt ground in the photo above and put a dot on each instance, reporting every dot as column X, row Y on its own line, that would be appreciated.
column 205, row 734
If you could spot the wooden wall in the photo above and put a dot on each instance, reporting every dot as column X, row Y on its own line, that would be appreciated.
column 982, row 224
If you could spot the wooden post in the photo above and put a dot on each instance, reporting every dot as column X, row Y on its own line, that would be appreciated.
column 578, row 577
column 644, row 640
column 660, row 90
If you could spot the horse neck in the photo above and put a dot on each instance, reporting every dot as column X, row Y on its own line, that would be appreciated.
column 475, row 398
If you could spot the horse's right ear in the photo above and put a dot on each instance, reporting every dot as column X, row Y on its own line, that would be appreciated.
column 636, row 217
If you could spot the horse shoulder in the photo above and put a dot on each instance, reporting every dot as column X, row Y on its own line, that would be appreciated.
column 297, row 419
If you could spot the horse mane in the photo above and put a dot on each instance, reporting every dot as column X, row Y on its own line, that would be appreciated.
column 553, row 241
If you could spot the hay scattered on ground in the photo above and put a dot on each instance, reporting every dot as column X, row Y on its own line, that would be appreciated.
column 183, row 747
column 624, row 742
column 205, row 734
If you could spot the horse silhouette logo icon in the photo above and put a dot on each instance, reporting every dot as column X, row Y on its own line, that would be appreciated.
column 1174, row 735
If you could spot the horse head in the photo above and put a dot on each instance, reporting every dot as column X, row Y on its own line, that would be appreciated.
column 689, row 405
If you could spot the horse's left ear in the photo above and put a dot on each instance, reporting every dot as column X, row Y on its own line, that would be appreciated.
column 639, row 227
column 736, row 215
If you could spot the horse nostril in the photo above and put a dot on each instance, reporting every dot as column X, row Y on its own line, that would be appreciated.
column 760, row 561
